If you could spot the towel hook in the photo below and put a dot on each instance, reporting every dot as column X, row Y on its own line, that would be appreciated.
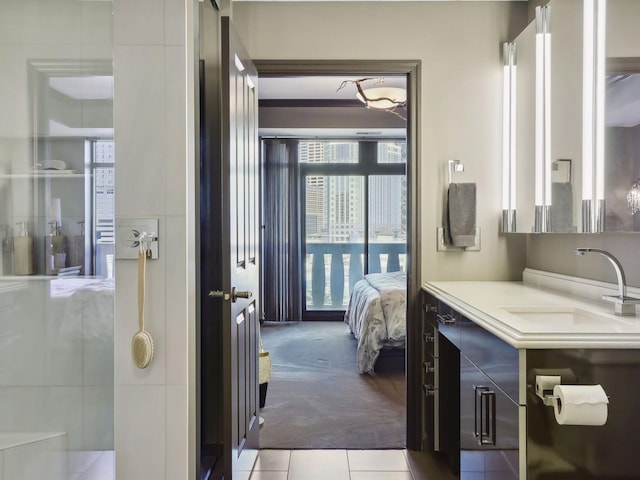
column 455, row 166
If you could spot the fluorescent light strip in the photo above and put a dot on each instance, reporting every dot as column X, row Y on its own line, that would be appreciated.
column 601, row 27
column 547, row 111
column 506, row 126
column 512, row 116
column 588, row 57
column 539, row 197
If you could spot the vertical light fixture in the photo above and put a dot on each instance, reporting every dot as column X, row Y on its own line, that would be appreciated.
column 509, row 138
column 600, row 82
column 543, row 121
column 593, row 109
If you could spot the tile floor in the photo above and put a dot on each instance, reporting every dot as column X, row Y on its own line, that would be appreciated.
column 376, row 465
column 330, row 464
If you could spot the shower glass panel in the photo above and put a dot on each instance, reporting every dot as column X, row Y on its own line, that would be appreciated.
column 57, row 159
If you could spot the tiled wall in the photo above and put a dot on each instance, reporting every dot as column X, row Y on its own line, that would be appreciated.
column 151, row 405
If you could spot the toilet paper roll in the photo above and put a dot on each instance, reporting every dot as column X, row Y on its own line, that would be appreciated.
column 547, row 382
column 580, row 404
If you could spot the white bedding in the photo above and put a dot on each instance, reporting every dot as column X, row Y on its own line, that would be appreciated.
column 376, row 315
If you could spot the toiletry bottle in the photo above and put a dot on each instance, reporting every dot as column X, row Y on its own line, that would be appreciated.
column 6, row 251
column 23, row 251
column 55, row 250
column 76, row 249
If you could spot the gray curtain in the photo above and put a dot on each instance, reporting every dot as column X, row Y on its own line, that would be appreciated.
column 282, row 282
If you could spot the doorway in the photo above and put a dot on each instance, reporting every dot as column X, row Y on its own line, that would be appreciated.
column 340, row 69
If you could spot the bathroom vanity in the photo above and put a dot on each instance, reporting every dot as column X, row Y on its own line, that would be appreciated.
column 485, row 342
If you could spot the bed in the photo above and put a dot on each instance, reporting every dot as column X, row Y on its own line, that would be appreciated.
column 376, row 315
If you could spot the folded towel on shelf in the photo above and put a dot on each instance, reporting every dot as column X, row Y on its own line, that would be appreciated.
column 461, row 214
column 562, row 207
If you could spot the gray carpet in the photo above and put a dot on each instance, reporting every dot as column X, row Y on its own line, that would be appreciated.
column 316, row 397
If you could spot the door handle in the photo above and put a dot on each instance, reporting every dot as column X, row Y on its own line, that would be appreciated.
column 484, row 415
column 233, row 296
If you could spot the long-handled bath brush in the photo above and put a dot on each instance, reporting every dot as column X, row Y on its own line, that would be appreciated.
column 142, row 343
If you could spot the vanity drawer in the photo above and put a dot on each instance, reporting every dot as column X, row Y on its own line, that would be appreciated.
column 497, row 359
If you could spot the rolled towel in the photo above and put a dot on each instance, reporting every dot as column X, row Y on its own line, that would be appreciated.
column 461, row 214
column 562, row 207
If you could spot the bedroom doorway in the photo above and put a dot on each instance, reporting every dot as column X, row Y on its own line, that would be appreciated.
column 410, row 261
column 354, row 222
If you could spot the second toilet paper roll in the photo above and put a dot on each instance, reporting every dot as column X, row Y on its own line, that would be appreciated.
column 580, row 404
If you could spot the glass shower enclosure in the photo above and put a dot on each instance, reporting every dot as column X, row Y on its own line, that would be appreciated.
column 57, row 159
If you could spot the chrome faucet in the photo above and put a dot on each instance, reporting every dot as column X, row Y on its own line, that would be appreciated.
column 624, row 305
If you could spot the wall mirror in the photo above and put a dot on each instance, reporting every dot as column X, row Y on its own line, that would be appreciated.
column 622, row 117
column 577, row 153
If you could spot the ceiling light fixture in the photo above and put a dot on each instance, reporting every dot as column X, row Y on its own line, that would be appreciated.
column 380, row 97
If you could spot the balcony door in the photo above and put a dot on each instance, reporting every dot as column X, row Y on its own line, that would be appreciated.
column 354, row 195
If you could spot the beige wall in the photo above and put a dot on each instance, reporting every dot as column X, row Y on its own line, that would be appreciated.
column 459, row 45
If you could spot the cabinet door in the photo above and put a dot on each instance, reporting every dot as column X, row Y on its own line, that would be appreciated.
column 488, row 417
column 448, row 404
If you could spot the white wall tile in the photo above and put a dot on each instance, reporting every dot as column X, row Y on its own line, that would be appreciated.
column 176, row 302
column 23, row 325
column 42, row 459
column 175, row 135
column 174, row 17
column 97, row 411
column 22, row 409
column 177, row 432
column 139, row 119
column 140, row 442
column 63, row 329
column 63, row 413
column 138, row 22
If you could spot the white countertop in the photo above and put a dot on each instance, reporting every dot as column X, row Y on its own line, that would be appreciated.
column 509, row 311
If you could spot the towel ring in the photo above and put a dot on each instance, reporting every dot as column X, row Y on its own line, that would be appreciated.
column 455, row 166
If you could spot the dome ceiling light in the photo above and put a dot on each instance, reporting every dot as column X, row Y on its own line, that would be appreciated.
column 380, row 97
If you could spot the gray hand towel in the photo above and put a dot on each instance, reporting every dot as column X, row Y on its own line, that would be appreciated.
column 562, row 207
column 461, row 214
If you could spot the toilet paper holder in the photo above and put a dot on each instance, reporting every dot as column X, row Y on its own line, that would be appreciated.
column 544, row 388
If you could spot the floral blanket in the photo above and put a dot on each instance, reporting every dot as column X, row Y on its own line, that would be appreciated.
column 376, row 315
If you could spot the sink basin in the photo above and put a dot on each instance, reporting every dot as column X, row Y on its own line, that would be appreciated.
column 557, row 314
column 569, row 319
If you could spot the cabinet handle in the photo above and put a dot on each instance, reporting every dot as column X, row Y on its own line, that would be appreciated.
column 429, row 337
column 429, row 390
column 446, row 319
column 428, row 368
column 430, row 308
column 484, row 415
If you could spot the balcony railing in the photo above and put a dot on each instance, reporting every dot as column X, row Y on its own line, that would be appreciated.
column 331, row 267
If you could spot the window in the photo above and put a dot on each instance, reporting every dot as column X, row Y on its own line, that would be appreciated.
column 355, row 216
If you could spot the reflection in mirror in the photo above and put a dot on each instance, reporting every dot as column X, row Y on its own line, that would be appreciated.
column 622, row 134
column 567, row 31
column 72, row 168
column 525, row 128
